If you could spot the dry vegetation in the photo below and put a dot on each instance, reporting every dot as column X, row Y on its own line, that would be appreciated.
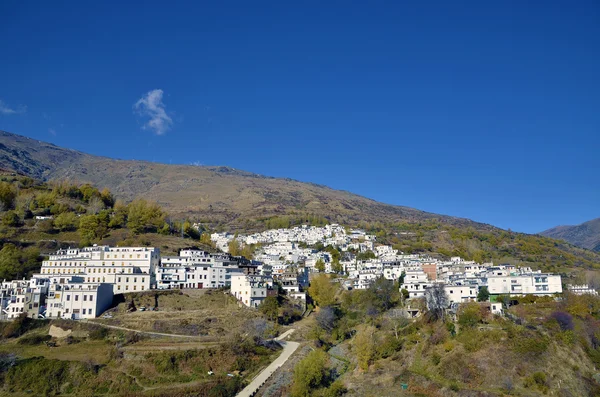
column 95, row 360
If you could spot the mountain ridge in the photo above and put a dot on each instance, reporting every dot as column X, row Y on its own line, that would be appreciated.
column 221, row 192
column 585, row 235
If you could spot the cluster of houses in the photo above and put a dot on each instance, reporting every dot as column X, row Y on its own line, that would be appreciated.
column 81, row 282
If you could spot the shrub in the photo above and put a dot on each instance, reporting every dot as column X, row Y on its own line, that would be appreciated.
column 469, row 315
column 34, row 339
column 564, row 319
column 530, row 344
column 539, row 378
column 98, row 333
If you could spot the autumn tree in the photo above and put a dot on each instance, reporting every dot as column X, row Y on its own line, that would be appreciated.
column 322, row 291
column 364, row 346
column 320, row 265
column 234, row 247
column 310, row 373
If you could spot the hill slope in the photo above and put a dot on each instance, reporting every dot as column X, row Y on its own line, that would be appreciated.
column 586, row 235
column 219, row 194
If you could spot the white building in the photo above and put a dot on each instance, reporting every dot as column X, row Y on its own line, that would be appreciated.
column 523, row 284
column 76, row 300
column 461, row 293
column 127, row 269
column 250, row 290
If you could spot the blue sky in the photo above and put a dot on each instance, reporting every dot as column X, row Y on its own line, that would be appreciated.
column 486, row 110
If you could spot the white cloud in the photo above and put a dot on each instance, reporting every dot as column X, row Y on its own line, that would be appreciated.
column 151, row 106
column 52, row 131
column 5, row 109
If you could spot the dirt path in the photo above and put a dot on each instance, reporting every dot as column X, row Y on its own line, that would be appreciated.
column 138, row 331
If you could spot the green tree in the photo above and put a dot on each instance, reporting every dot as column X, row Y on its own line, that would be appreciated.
column 310, row 373
column 322, row 291
column 144, row 216
column 11, row 219
column 88, row 226
column 320, row 265
column 270, row 307
column 66, row 221
column 119, row 216
column 337, row 267
column 10, row 261
column 469, row 315
column 88, row 191
column 107, row 198
column 483, row 295
column 7, row 196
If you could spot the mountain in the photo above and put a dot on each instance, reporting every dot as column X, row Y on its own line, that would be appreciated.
column 586, row 235
column 218, row 194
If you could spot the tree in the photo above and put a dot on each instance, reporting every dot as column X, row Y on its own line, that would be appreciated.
column 336, row 266
column 310, row 373
column 11, row 219
column 270, row 307
column 469, row 315
column 88, row 191
column 144, row 217
column 320, row 265
column 402, row 276
column 65, row 221
column 364, row 346
column 437, row 301
column 383, row 293
column 7, row 196
column 398, row 321
column 326, row 318
column 107, row 198
column 483, row 295
column 95, row 205
column 10, row 261
column 234, row 247
column 259, row 330
column 322, row 291
column 119, row 216
column 88, row 225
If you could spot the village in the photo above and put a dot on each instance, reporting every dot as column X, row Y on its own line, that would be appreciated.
column 79, row 283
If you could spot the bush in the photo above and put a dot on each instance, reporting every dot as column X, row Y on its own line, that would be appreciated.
column 564, row 319
column 539, row 378
column 98, row 333
column 469, row 315
column 34, row 339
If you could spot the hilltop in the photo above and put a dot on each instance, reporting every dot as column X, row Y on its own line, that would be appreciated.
column 585, row 235
column 214, row 194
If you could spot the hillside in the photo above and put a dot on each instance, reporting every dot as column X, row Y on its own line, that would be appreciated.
column 214, row 194
column 586, row 235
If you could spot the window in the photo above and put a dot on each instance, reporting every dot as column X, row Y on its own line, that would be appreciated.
column 68, row 297
column 67, row 310
column 76, row 298
column 83, row 311
column 84, row 298
column 91, row 298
